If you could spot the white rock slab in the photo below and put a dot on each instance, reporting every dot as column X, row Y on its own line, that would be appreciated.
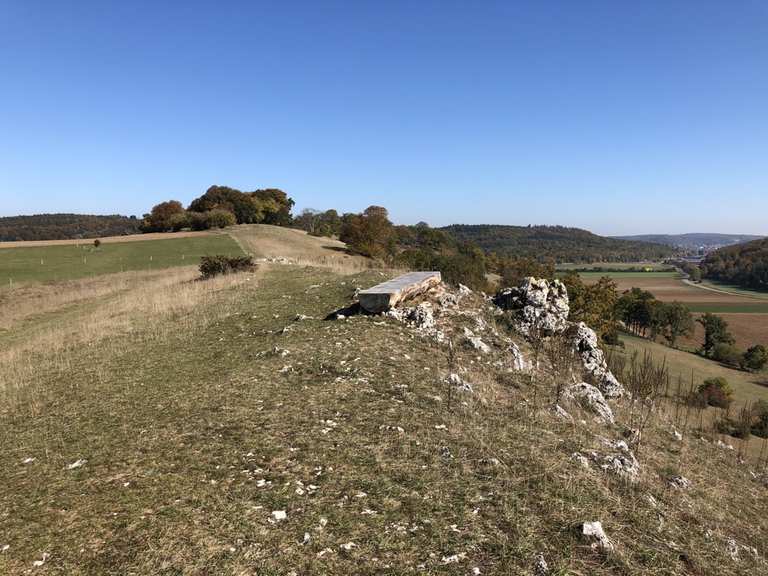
column 384, row 296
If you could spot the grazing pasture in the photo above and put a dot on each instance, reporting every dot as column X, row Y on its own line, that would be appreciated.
column 68, row 260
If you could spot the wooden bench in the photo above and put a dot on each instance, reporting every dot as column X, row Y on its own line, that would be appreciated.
column 384, row 296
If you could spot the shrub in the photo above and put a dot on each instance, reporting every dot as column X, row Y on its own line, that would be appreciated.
column 760, row 419
column 727, row 354
column 211, row 266
column 755, row 358
column 96, row 243
column 714, row 392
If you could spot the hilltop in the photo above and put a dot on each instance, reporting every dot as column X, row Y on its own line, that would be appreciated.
column 557, row 243
column 692, row 241
column 238, row 425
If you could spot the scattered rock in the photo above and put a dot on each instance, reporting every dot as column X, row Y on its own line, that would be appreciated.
column 734, row 550
column 77, row 464
column 622, row 463
column 680, row 482
column 721, row 444
column 519, row 362
column 590, row 398
column 420, row 317
column 594, row 533
column 540, row 566
column 559, row 412
column 586, row 344
column 580, row 459
column 476, row 342
column 458, row 382
column 279, row 515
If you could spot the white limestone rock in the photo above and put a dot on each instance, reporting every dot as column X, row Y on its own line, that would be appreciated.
column 591, row 399
column 593, row 532
column 538, row 305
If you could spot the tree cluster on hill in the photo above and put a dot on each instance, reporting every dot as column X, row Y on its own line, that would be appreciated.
column 220, row 207
column 556, row 243
column 743, row 264
column 65, row 227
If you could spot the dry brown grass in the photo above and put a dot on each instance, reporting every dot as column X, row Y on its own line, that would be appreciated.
column 195, row 431
column 264, row 241
column 42, row 324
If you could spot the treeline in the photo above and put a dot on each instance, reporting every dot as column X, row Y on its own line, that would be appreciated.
column 220, row 207
column 65, row 227
column 744, row 264
column 420, row 247
column 556, row 243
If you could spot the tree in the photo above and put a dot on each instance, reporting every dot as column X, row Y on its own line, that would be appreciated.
column 678, row 321
column 274, row 204
column 755, row 358
column 96, row 243
column 370, row 233
column 595, row 304
column 515, row 270
column 715, row 332
column 159, row 219
column 635, row 308
column 244, row 208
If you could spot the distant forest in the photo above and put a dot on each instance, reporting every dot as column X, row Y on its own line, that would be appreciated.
column 556, row 243
column 743, row 264
column 65, row 227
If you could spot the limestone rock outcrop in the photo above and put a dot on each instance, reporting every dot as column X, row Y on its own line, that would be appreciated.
column 538, row 305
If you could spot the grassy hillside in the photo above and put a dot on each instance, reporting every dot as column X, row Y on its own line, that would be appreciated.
column 265, row 241
column 64, row 226
column 558, row 243
column 153, row 425
column 66, row 262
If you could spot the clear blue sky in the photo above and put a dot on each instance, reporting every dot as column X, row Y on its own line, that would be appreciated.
column 619, row 117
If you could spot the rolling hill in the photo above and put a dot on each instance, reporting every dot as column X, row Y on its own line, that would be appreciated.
column 65, row 227
column 693, row 240
column 558, row 243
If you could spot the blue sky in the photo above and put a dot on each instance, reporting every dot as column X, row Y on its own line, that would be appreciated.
column 619, row 117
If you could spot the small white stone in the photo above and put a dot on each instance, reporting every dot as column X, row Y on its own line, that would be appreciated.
column 77, row 464
column 279, row 515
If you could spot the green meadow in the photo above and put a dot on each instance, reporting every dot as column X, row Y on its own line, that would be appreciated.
column 68, row 262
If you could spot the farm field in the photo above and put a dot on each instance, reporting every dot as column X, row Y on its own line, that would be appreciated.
column 68, row 261
column 745, row 312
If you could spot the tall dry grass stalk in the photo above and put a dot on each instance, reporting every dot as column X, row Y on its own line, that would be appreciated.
column 114, row 311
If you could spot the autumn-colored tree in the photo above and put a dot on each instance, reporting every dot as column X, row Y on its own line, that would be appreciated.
column 160, row 218
column 370, row 233
column 594, row 304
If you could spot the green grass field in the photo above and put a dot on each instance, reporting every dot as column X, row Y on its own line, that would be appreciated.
column 620, row 274
column 733, row 289
column 618, row 266
column 51, row 263
column 747, row 387
column 729, row 307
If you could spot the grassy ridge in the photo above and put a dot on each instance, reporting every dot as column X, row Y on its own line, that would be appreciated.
column 50, row 263
column 196, row 433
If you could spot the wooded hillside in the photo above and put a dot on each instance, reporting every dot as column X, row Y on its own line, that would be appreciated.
column 557, row 243
column 65, row 227
column 743, row 264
